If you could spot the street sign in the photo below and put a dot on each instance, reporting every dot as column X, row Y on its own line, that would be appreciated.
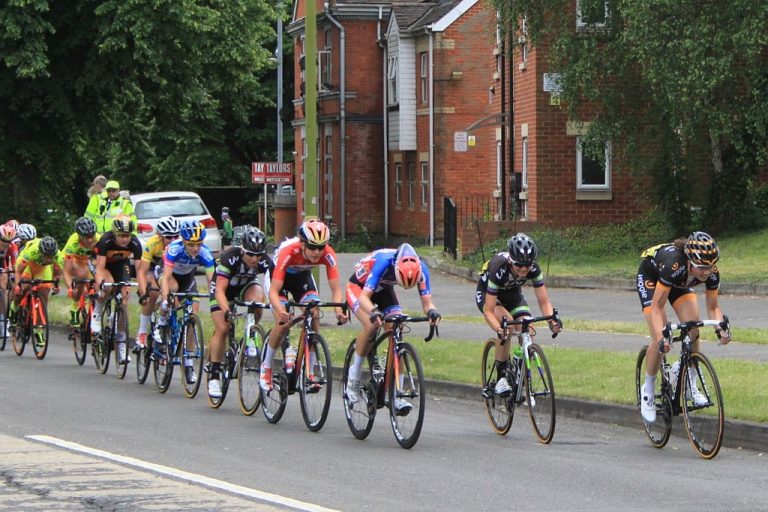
column 272, row 173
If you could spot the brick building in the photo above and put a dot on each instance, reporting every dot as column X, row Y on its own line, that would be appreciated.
column 415, row 104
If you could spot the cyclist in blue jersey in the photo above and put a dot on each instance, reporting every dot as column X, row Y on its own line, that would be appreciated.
column 371, row 297
column 180, row 261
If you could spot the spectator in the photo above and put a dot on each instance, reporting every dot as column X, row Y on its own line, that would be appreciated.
column 97, row 187
column 104, row 207
column 227, row 231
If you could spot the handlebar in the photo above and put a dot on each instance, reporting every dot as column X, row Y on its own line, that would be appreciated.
column 39, row 281
column 315, row 304
column 685, row 327
column 527, row 320
column 143, row 298
column 119, row 284
column 402, row 319
column 183, row 295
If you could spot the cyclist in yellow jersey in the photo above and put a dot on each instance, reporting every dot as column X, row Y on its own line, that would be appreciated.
column 78, row 253
column 40, row 259
column 151, row 257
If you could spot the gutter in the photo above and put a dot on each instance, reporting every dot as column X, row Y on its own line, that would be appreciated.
column 431, row 137
column 342, row 119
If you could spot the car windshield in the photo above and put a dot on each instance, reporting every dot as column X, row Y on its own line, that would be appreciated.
column 175, row 206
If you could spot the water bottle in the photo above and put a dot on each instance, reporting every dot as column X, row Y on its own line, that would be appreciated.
column 376, row 370
column 517, row 355
column 672, row 373
column 290, row 359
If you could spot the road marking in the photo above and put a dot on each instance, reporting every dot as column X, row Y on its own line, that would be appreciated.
column 183, row 475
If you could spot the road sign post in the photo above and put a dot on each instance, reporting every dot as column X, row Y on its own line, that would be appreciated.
column 271, row 173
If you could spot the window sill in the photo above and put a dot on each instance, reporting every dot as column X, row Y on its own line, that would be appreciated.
column 594, row 195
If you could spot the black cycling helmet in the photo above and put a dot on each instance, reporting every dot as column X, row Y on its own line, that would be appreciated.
column 123, row 224
column 701, row 249
column 522, row 249
column 253, row 240
column 48, row 246
column 85, row 226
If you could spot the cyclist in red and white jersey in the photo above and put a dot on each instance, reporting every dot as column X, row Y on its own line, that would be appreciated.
column 8, row 254
column 294, row 260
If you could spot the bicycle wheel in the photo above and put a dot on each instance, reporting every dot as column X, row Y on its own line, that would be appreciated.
column 192, row 347
column 20, row 334
column 703, row 406
column 162, row 359
column 315, row 383
column 118, row 321
column 248, row 374
column 40, row 329
column 5, row 329
column 273, row 402
column 407, row 399
column 225, row 375
column 360, row 415
column 81, row 336
column 103, row 342
column 658, row 431
column 540, row 394
column 500, row 409
column 144, row 359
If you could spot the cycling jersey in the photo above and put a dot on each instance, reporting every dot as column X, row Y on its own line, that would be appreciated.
column 36, row 268
column 668, row 265
column 153, row 251
column 8, row 256
column 177, row 258
column 289, row 259
column 232, row 268
column 107, row 247
column 497, row 276
column 74, row 250
column 377, row 271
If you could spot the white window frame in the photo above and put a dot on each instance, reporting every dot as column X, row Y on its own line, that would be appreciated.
column 325, row 68
column 328, row 171
column 424, row 75
column 424, row 184
column 399, row 183
column 606, row 185
column 392, row 65
column 411, row 183
column 580, row 23
column 524, row 155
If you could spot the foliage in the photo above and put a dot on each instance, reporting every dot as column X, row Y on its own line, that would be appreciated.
column 681, row 85
column 159, row 94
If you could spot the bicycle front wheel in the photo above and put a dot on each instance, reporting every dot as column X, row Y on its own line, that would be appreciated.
column 500, row 409
column 315, row 383
column 162, row 364
column 360, row 415
column 120, row 321
column 20, row 334
column 702, row 404
column 225, row 376
column 407, row 399
column 273, row 402
column 659, row 431
column 193, row 351
column 40, row 329
column 81, row 337
column 540, row 394
column 248, row 374
column 5, row 329
column 102, row 344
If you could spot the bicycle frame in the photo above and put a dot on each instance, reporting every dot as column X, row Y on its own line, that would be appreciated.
column 177, row 325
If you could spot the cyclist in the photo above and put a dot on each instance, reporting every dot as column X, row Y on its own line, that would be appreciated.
column 180, row 261
column 499, row 294
column 371, row 297
column 78, row 252
column 152, row 257
column 237, row 276
column 114, row 252
column 668, row 273
column 8, row 254
column 24, row 234
column 40, row 259
column 294, row 260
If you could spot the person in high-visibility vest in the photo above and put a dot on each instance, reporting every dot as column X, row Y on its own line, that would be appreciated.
column 104, row 207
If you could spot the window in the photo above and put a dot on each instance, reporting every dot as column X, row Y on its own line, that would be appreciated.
column 392, row 81
column 525, row 163
column 424, row 183
column 591, row 14
column 325, row 78
column 411, row 182
column 328, row 159
column 424, row 74
column 398, row 183
column 593, row 165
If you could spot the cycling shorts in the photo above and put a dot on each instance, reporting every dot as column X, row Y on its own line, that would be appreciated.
column 512, row 300
column 385, row 299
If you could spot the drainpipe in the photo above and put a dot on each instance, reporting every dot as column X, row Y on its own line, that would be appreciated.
column 383, row 46
column 431, row 138
column 342, row 119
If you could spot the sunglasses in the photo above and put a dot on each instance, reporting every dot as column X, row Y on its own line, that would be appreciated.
column 251, row 253
column 313, row 247
column 702, row 267
column 193, row 244
column 521, row 265
column 170, row 237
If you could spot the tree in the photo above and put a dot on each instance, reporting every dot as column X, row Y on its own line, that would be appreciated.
column 159, row 94
column 681, row 84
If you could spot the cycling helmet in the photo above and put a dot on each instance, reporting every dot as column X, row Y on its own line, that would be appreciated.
column 407, row 266
column 26, row 232
column 701, row 249
column 254, row 240
column 13, row 223
column 7, row 233
column 315, row 232
column 193, row 231
column 123, row 224
column 48, row 246
column 169, row 226
column 522, row 249
column 85, row 226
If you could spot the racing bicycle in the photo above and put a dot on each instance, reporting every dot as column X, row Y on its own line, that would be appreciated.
column 32, row 319
column 113, row 317
column 81, row 335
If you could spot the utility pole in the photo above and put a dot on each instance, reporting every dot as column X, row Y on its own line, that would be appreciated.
column 311, row 202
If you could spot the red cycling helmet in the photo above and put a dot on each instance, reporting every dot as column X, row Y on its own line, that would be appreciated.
column 407, row 266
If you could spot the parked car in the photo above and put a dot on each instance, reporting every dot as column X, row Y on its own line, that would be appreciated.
column 152, row 206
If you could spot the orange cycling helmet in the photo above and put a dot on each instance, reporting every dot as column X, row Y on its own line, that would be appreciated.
column 314, row 232
column 407, row 266
column 7, row 232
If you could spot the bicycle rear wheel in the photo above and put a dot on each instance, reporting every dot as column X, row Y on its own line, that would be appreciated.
column 192, row 348
column 360, row 415
column 120, row 320
column 144, row 360
column 248, row 374
column 225, row 377
column 273, row 402
column 162, row 364
column 315, row 383
column 540, row 395
column 20, row 334
column 407, row 399
column 702, row 404
column 81, row 336
column 40, row 329
column 659, row 431
column 500, row 409
column 103, row 342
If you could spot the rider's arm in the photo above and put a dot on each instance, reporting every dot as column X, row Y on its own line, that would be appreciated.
column 221, row 292
column 165, row 286
column 337, row 296
column 714, row 313
column 660, row 297
column 68, row 277
column 426, row 304
column 489, row 312
column 142, row 267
